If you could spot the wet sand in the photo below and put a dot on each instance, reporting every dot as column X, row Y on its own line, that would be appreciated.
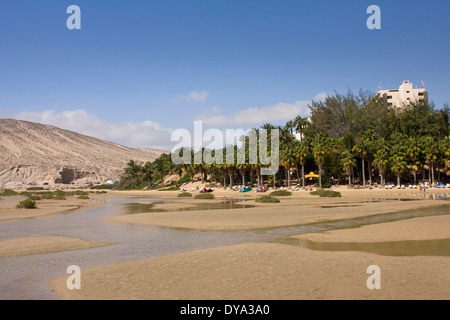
column 45, row 208
column 300, row 208
column 276, row 270
column 36, row 245
column 264, row 271
column 425, row 228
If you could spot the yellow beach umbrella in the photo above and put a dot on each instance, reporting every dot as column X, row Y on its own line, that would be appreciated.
column 311, row 175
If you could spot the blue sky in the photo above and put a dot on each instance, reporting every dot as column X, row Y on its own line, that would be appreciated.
column 139, row 69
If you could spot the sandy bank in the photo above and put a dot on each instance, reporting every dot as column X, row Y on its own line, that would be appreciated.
column 300, row 208
column 45, row 208
column 35, row 245
column 264, row 271
column 424, row 228
column 271, row 271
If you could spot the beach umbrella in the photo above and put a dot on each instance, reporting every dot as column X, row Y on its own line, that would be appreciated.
column 311, row 175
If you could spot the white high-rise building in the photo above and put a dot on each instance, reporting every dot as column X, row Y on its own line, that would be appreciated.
column 404, row 95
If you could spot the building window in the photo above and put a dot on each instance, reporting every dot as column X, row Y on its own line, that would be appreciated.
column 420, row 94
column 389, row 97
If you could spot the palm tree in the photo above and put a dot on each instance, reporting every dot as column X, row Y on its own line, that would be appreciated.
column 290, row 126
column 302, row 153
column 444, row 147
column 397, row 160
column 413, row 151
column 381, row 158
column 147, row 171
column 431, row 152
column 300, row 125
column 345, row 146
column 134, row 170
column 287, row 157
column 362, row 147
column 348, row 162
column 321, row 145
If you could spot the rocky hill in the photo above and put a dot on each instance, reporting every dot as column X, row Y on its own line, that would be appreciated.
column 37, row 154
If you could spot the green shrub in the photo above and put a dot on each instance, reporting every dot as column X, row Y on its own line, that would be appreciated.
column 184, row 179
column 34, row 197
column 58, row 198
column 281, row 193
column 26, row 204
column 103, row 186
column 47, row 196
column 208, row 196
column 184, row 195
column 35, row 188
column 81, row 193
column 8, row 192
column 267, row 199
column 83, row 197
column 169, row 189
column 325, row 193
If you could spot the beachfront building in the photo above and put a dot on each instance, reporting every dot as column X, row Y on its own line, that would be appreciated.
column 404, row 95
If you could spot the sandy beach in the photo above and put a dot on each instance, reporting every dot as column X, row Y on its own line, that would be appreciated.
column 282, row 270
column 287, row 270
column 300, row 208
column 37, row 245
column 45, row 208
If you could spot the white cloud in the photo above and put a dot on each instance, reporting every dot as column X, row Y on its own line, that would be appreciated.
column 131, row 134
column 254, row 116
column 199, row 96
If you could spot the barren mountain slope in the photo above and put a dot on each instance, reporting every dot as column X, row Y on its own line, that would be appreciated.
column 33, row 153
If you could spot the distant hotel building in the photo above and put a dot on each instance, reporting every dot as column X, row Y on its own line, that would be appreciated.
column 404, row 95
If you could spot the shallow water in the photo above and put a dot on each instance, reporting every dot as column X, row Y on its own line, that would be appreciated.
column 134, row 208
column 439, row 247
column 27, row 277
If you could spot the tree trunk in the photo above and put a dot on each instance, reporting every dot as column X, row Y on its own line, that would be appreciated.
column 349, row 179
column 298, row 174
column 224, row 181
column 363, row 172
column 303, row 175
column 382, row 179
column 274, row 181
column 432, row 173
column 320, row 175
column 370, row 172
column 398, row 180
column 289, row 177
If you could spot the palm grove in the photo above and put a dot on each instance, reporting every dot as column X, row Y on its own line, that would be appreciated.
column 354, row 139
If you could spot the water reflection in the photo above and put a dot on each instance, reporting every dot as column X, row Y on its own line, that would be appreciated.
column 439, row 247
column 134, row 208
